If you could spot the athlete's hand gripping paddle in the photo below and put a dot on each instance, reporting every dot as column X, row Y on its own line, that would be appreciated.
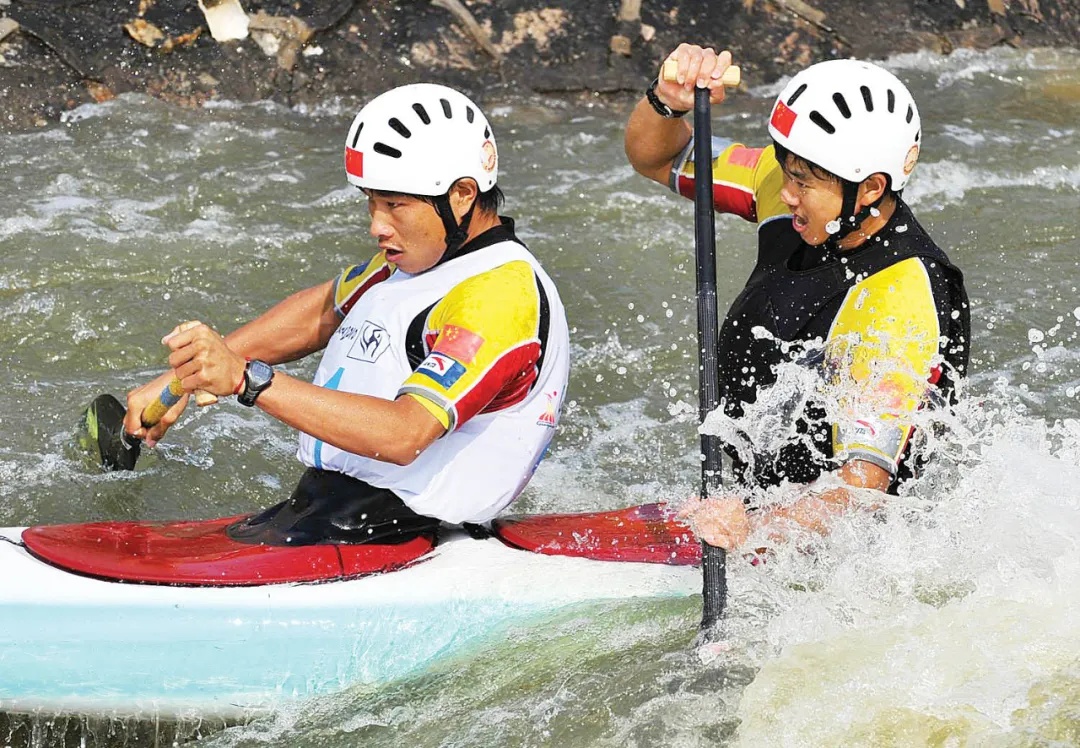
column 101, row 432
column 713, row 559
column 102, row 429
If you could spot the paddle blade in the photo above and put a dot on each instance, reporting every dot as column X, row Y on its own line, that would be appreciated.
column 101, row 435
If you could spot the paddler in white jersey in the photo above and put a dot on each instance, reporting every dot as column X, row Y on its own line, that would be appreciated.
column 445, row 356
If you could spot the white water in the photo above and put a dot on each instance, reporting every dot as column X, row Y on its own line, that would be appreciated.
column 948, row 619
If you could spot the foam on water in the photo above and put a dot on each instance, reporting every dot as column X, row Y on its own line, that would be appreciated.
column 945, row 618
column 948, row 182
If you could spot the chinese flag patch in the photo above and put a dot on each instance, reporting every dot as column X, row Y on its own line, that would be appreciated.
column 354, row 162
column 782, row 118
column 459, row 343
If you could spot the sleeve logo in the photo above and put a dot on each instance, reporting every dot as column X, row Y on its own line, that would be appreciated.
column 443, row 369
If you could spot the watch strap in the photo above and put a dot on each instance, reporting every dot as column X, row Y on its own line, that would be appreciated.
column 660, row 107
column 254, row 386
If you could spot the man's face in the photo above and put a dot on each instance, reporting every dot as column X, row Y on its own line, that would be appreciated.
column 408, row 230
column 813, row 201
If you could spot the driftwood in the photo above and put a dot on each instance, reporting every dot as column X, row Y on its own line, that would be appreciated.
column 474, row 29
column 811, row 15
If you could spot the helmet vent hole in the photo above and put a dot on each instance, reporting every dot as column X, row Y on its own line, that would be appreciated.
column 868, row 100
column 422, row 113
column 399, row 128
column 386, row 150
column 469, row 114
column 356, row 136
column 824, row 124
column 910, row 114
column 918, row 135
column 890, row 102
column 797, row 94
column 841, row 104
column 446, row 108
column 487, row 132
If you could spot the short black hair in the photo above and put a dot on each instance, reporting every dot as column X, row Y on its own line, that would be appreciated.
column 819, row 171
column 488, row 202
column 782, row 155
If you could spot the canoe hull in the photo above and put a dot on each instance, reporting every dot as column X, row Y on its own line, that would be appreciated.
column 76, row 643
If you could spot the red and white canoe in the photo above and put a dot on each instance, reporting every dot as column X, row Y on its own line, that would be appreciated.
column 176, row 618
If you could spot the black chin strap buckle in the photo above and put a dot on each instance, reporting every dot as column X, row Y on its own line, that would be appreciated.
column 840, row 226
column 456, row 233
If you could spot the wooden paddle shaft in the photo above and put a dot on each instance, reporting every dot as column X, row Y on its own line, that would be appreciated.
column 731, row 78
column 172, row 393
column 169, row 397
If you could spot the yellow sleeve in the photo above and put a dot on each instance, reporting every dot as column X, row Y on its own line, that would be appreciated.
column 745, row 181
column 880, row 350
column 485, row 345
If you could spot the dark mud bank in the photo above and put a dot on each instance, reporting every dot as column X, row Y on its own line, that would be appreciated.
column 58, row 54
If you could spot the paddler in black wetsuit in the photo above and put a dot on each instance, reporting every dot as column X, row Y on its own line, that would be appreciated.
column 841, row 261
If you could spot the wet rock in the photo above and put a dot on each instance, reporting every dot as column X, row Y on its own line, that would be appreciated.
column 67, row 52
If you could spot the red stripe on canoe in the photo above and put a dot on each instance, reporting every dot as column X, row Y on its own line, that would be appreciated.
column 199, row 553
column 647, row 533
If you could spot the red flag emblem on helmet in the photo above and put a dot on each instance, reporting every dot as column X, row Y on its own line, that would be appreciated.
column 354, row 162
column 782, row 118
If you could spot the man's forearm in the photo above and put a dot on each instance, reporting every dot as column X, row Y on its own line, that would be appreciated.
column 652, row 142
column 297, row 326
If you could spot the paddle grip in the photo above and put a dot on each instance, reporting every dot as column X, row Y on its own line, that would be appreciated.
column 169, row 397
column 731, row 77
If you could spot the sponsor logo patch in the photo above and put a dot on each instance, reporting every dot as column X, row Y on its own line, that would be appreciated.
column 371, row 341
column 865, row 428
column 488, row 156
column 443, row 369
column 458, row 342
column 782, row 118
column 911, row 159
column 550, row 415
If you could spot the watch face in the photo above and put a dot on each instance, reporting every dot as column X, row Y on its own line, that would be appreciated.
column 259, row 372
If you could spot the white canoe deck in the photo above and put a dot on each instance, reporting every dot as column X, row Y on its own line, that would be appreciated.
column 77, row 644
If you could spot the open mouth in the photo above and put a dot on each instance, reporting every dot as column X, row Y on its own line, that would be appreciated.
column 800, row 223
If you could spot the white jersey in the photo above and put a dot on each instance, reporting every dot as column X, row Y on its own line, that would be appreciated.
column 495, row 377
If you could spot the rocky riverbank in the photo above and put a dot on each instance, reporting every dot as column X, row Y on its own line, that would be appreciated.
column 58, row 54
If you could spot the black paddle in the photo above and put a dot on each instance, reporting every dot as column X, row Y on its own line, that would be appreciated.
column 101, row 431
column 713, row 559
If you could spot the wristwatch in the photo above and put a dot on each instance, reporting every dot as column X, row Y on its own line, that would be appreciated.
column 257, row 377
column 660, row 107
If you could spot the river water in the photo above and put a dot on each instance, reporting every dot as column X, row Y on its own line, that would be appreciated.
column 952, row 618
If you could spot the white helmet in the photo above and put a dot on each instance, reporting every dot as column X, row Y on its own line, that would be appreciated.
column 851, row 118
column 418, row 140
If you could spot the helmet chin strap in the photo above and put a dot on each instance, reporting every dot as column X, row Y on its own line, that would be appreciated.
column 838, row 228
column 456, row 233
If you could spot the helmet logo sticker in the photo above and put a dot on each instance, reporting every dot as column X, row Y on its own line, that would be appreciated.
column 782, row 118
column 911, row 159
column 354, row 162
column 488, row 156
